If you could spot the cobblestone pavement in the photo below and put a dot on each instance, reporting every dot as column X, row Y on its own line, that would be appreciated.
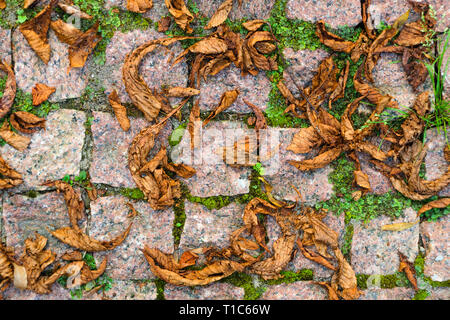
column 83, row 136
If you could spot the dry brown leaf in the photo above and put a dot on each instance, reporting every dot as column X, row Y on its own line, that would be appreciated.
column 68, row 7
column 259, row 60
column 399, row 226
column 439, row 203
column 35, row 32
column 181, row 14
column 193, row 125
column 9, row 177
column 311, row 255
column 66, row 32
column 318, row 162
column 227, row 99
column 9, row 94
column 415, row 69
column 365, row 17
column 253, row 25
column 332, row 294
column 345, row 279
column 83, row 46
column 72, row 256
column 2, row 6
column 139, row 6
column 362, row 180
column 14, row 139
column 181, row 169
column 41, row 93
column 220, row 15
column 409, row 269
column 413, row 34
column 180, row 92
column 188, row 258
column 305, row 140
column 119, row 110
column 333, row 41
column 209, row 45
column 164, row 24
column 260, row 119
column 26, row 122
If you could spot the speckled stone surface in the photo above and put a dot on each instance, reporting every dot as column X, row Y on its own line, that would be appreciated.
column 158, row 10
column 53, row 152
column 215, row 291
column 445, row 61
column 387, row 294
column 154, row 68
column 213, row 176
column 313, row 185
column 335, row 13
column 435, row 238
column 390, row 78
column 125, row 290
column 23, row 216
column 5, row 45
column 110, row 155
column 30, row 69
column 374, row 251
column 300, row 290
column 152, row 228
column 299, row 262
column 439, row 294
column 205, row 227
column 255, row 9
column 254, row 89
column 303, row 66
column 435, row 163
column 58, row 293
column 388, row 11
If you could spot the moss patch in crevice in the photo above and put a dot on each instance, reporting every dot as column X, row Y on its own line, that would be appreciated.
column 245, row 281
column 291, row 276
column 160, row 284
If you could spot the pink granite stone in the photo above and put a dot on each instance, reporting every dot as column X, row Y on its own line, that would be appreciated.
column 390, row 78
column 58, row 293
column 313, row 185
column 158, row 10
column 445, row 62
column 254, row 89
column 215, row 291
column 374, row 251
column 335, row 13
column 434, row 236
column 151, row 228
column 439, row 294
column 387, row 294
column 255, row 9
column 23, row 216
column 125, row 290
column 110, row 155
column 204, row 227
column 30, row 69
column 435, row 163
column 52, row 153
column 388, row 11
column 5, row 45
column 300, row 290
column 213, row 176
column 155, row 68
column 299, row 261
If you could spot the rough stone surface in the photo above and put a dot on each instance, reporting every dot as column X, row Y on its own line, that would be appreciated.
column 126, row 290
column 30, row 69
column 255, row 9
column 313, row 185
column 254, row 89
column 390, row 78
column 299, row 262
column 374, row 251
column 204, row 227
column 445, row 62
column 335, row 13
column 23, row 216
column 388, row 11
column 300, row 290
column 303, row 66
column 435, row 163
column 155, row 67
column 53, row 152
column 434, row 236
column 58, row 293
column 213, row 176
column 111, row 144
column 439, row 294
column 151, row 228
column 215, row 291
column 158, row 10
column 5, row 45
column 387, row 294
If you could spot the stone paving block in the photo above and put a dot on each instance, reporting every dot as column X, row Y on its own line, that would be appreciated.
column 390, row 78
column 335, row 13
column 151, row 228
column 300, row 290
column 58, row 293
column 110, row 156
column 313, row 185
column 387, row 294
column 125, row 290
column 445, row 61
column 5, row 45
column 30, row 69
column 254, row 89
column 158, row 10
column 374, row 251
column 214, row 177
column 435, row 163
column 388, row 11
column 53, row 152
column 204, row 227
column 215, row 291
column 435, row 238
column 439, row 294
column 23, row 216
column 299, row 262
column 155, row 68
column 255, row 9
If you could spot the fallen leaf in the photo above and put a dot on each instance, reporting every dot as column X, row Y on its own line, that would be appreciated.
column 28, row 3
column 26, row 122
column 14, row 139
column 72, row 256
column 180, row 92
column 253, row 25
column 119, row 110
column 9, row 94
column 226, row 100
column 41, row 93
column 439, row 203
column 164, row 24
column 68, row 7
column 181, row 14
column 409, row 269
column 399, row 226
column 139, row 6
column 9, row 178
column 3, row 4
column 82, row 47
column 66, row 32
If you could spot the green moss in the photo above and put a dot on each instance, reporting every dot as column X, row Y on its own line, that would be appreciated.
column 135, row 194
column 361, row 280
column 290, row 276
column 214, row 202
column 160, row 284
column 437, row 284
column 32, row 194
column 348, row 237
column 389, row 281
column 178, row 223
column 422, row 294
column 245, row 281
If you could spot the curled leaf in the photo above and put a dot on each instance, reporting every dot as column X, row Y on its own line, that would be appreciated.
column 253, row 25
column 41, row 93
column 180, row 13
column 220, row 15
column 439, row 203
column 409, row 269
column 119, row 110
column 14, row 139
column 9, row 94
column 227, row 99
column 80, row 49
column 26, row 122
column 139, row 6
column 181, row 92
column 9, row 177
